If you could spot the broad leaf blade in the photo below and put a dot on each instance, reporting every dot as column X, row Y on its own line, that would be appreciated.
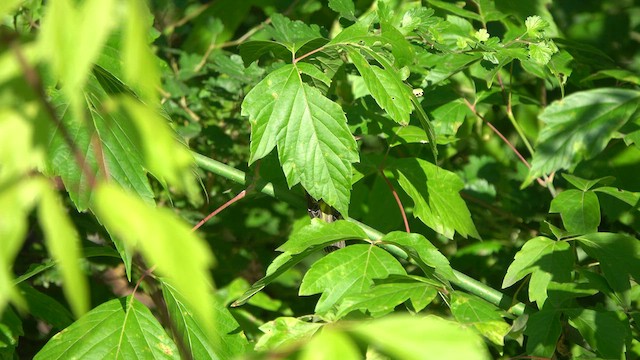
column 315, row 146
column 545, row 260
column 543, row 331
column 580, row 210
column 347, row 271
column 382, row 299
column 285, row 331
column 605, row 331
column 483, row 316
column 320, row 232
column 435, row 193
column 619, row 257
column 117, row 329
column 579, row 127
column 221, row 345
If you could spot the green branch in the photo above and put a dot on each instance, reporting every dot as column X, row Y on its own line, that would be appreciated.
column 463, row 281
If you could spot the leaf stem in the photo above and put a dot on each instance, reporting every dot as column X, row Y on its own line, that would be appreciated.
column 215, row 212
column 295, row 60
column 398, row 201
column 463, row 281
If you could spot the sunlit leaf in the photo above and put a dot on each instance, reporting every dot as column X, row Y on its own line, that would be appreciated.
column 545, row 260
column 292, row 33
column 220, row 345
column 345, row 8
column 414, row 337
column 285, row 331
column 63, row 244
column 579, row 127
column 165, row 241
column 483, row 316
column 330, row 344
column 320, row 232
column 314, row 144
column 347, row 271
column 436, row 195
column 117, row 329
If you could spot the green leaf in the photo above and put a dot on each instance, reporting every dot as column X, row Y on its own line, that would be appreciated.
column 347, row 271
column 277, row 267
column 580, row 126
column 139, row 62
column 223, row 344
column 315, row 146
column 618, row 74
column 619, row 257
column 330, row 344
column 383, row 298
column 285, row 331
column 486, row 318
column 345, row 8
column 320, row 232
column 165, row 241
column 580, row 210
column 584, row 184
column 605, row 331
column 292, row 34
column 72, row 36
column 543, row 331
column 46, row 308
column 455, row 9
column 385, row 87
column 424, row 253
column 63, row 244
column 401, row 49
column 545, row 260
column 541, row 52
column 254, row 50
column 536, row 26
column 117, row 329
column 415, row 337
column 436, row 195
column 631, row 198
column 10, row 332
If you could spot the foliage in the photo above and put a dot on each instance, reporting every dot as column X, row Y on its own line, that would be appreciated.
column 458, row 148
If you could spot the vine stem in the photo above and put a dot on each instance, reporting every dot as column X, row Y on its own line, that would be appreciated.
column 462, row 281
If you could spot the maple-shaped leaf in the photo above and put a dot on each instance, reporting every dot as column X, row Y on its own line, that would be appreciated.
column 315, row 146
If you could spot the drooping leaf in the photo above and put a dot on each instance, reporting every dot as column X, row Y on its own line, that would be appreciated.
column 320, row 232
column 546, row 260
column 166, row 243
column 579, row 127
column 381, row 299
column 543, row 330
column 347, row 271
column 315, row 146
column 63, row 244
column 605, row 331
column 223, row 344
column 483, row 316
column 619, row 257
column 423, row 252
column 385, row 87
column 580, row 210
column 435, row 193
column 117, row 329
column 278, row 266
column 285, row 331
column 415, row 337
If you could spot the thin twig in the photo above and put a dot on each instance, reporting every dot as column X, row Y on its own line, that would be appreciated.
column 241, row 195
column 506, row 141
column 398, row 201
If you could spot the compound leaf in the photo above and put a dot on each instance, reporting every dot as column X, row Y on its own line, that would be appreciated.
column 347, row 271
column 320, row 232
column 315, row 146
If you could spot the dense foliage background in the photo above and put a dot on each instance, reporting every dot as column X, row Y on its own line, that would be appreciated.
column 484, row 155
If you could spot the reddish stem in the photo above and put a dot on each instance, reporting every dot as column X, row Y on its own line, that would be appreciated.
column 242, row 194
column 395, row 195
